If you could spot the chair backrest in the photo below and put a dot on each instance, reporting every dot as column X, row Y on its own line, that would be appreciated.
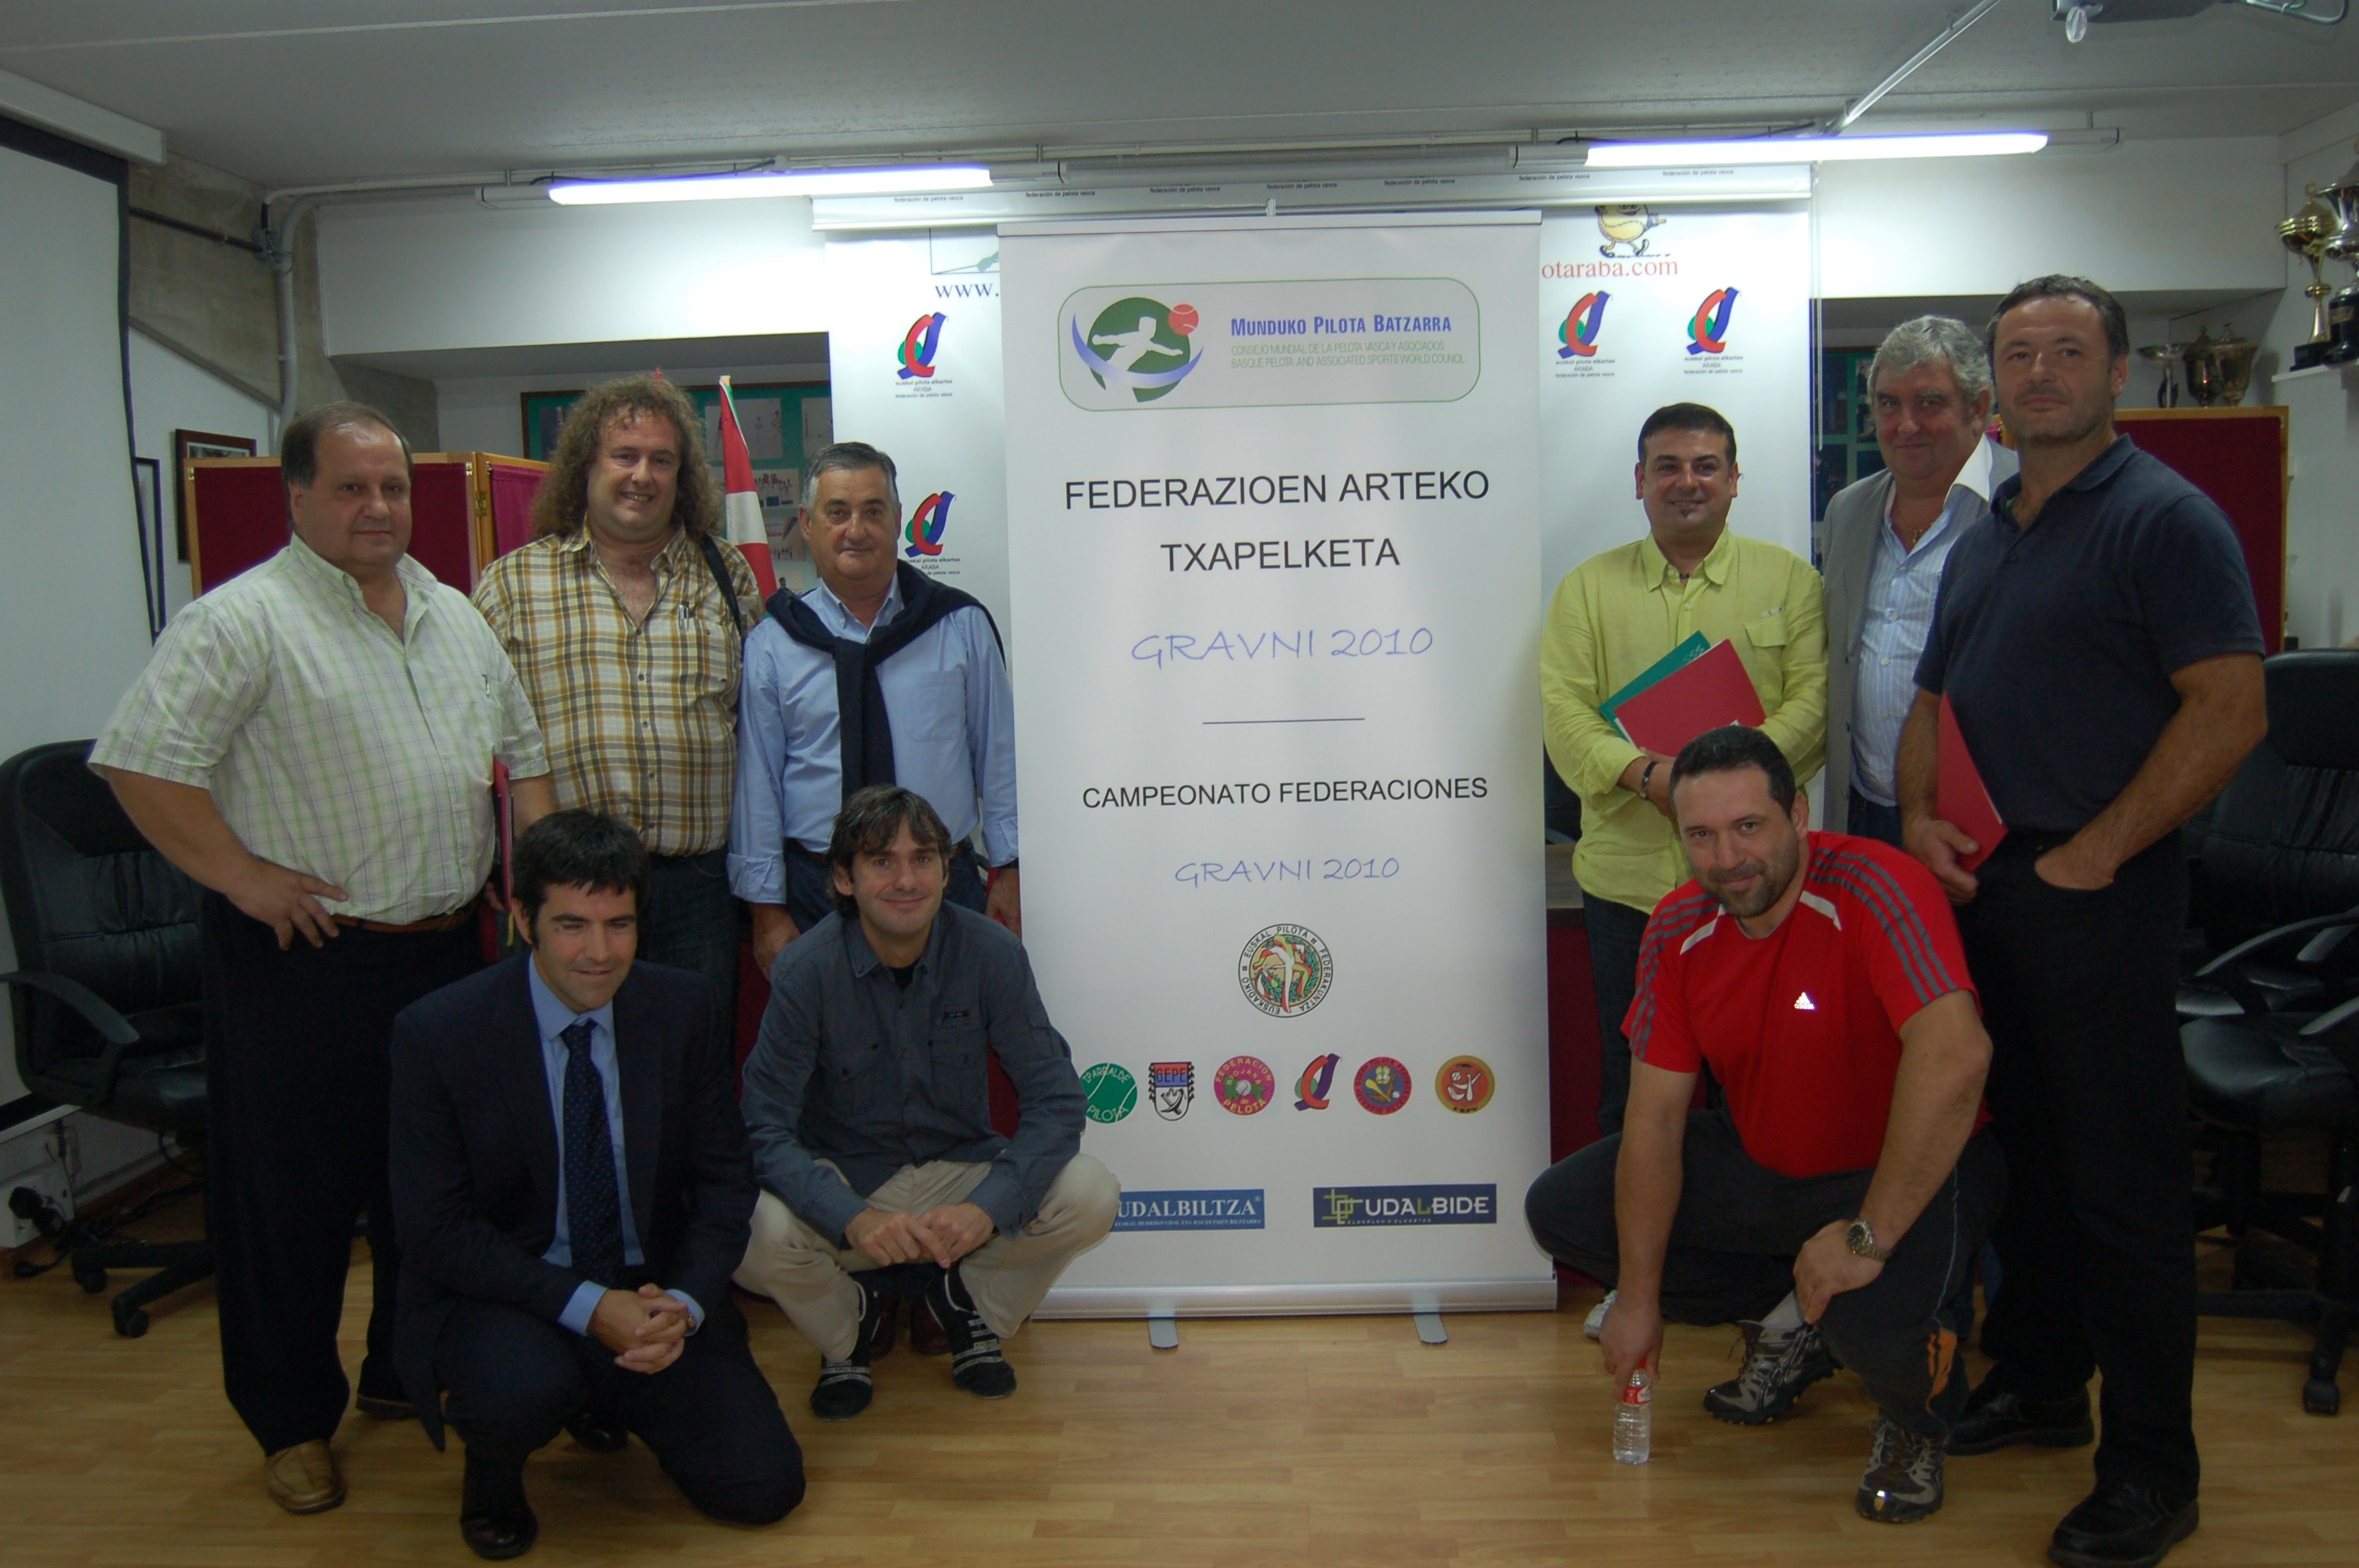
column 89, row 898
column 2284, row 838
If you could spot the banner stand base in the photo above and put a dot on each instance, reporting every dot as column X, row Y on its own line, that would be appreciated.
column 1403, row 1297
column 1163, row 1332
column 1429, row 1329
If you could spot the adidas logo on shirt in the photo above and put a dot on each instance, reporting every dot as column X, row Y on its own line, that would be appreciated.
column 1804, row 1004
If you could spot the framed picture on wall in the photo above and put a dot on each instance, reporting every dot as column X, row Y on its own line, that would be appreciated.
column 187, row 446
column 147, row 489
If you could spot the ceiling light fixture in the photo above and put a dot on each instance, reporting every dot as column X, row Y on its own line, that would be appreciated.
column 900, row 181
column 1810, row 150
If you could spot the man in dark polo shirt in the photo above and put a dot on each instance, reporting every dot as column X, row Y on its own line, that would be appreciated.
column 2097, row 638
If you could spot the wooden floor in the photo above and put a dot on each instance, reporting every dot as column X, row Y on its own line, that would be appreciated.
column 1328, row 1441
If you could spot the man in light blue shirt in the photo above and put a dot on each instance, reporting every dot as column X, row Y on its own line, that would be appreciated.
column 1887, row 539
column 878, row 676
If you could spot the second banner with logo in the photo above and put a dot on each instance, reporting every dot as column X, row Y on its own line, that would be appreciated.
column 1272, row 509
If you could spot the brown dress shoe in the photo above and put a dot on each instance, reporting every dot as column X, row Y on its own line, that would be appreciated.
column 304, row 1479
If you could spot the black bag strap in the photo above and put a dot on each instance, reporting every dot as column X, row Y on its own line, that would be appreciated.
column 721, row 580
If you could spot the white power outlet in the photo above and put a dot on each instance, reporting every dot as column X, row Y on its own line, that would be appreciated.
column 49, row 1180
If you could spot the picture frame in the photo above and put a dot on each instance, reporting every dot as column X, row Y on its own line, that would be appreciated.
column 187, row 446
column 147, row 493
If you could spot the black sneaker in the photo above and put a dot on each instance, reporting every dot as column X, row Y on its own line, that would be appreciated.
column 1994, row 1419
column 976, row 1364
column 1778, row 1368
column 845, row 1387
column 1903, row 1483
column 2123, row 1524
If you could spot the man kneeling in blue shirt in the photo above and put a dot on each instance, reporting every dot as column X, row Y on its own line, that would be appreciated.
column 867, row 1107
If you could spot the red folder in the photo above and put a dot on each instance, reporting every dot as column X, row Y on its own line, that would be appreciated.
column 1961, row 799
column 1712, row 691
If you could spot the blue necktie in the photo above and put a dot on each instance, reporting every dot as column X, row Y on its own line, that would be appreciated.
column 593, row 1215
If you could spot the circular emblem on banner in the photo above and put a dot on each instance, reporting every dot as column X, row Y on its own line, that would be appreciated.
column 1382, row 1084
column 1243, row 1085
column 1465, row 1084
column 1285, row 970
column 1112, row 1093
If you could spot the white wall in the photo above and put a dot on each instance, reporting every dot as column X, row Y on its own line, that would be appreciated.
column 400, row 277
column 169, row 393
column 2145, row 216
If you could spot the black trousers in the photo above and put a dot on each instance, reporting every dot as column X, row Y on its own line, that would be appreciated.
column 693, row 922
column 1739, row 1228
column 297, row 1072
column 1614, row 930
column 2088, row 1092
column 810, row 888
column 710, row 1418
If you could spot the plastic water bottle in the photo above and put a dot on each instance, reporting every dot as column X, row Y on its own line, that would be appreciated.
column 1633, row 1419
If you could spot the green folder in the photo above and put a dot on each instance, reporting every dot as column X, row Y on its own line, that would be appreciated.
column 1671, row 663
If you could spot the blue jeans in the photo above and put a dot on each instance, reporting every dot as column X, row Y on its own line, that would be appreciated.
column 1870, row 820
column 691, row 922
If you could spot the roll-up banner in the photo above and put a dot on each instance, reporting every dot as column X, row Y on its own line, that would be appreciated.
column 1273, row 528
column 1641, row 306
column 913, row 366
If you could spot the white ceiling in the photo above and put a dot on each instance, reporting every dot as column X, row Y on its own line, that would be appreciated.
column 295, row 91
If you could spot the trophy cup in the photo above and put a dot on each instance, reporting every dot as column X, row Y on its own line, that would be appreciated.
column 2341, row 201
column 2305, row 235
column 2220, row 369
column 2165, row 357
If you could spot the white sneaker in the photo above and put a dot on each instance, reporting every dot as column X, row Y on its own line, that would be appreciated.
column 1595, row 1325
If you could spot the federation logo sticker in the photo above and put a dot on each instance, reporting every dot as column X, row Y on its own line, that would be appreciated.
column 1465, row 1084
column 1243, row 1085
column 1708, row 330
column 1285, row 970
column 1109, row 1092
column 1311, row 1089
column 1173, row 1086
column 1382, row 1084
column 918, row 345
column 927, row 525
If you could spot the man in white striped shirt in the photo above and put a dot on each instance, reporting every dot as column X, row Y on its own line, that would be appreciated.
column 1887, row 539
column 312, row 743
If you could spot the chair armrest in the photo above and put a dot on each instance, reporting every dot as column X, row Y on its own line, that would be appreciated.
column 2243, row 950
column 111, row 1025
column 2340, row 1030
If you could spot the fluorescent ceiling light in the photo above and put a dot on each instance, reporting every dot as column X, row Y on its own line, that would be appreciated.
column 801, row 182
column 1810, row 150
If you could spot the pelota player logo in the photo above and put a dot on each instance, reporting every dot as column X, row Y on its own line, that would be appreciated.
column 1285, row 970
column 1139, row 343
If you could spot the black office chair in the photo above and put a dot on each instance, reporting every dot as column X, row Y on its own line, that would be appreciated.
column 2283, row 1051
column 105, row 1000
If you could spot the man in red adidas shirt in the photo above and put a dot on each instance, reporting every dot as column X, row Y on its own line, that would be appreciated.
column 1836, row 1202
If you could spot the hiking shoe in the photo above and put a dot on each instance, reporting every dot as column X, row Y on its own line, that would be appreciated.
column 1778, row 1368
column 1903, row 1483
column 1594, row 1324
column 976, row 1364
column 845, row 1387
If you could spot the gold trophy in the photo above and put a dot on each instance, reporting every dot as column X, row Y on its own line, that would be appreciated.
column 2305, row 235
column 2342, row 201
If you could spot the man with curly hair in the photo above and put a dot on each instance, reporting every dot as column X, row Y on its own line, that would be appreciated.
column 627, row 618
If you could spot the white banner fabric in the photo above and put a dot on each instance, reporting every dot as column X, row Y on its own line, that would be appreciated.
column 1273, row 498
column 913, row 364
column 1640, row 307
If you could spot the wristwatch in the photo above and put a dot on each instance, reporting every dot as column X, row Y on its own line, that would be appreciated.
column 1861, row 1238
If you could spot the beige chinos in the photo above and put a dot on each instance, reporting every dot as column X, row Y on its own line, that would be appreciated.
column 811, row 1277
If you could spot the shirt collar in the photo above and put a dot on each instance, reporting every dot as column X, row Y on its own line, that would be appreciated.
column 863, row 957
column 1714, row 568
column 335, row 579
column 552, row 1015
column 2101, row 470
column 577, row 542
column 822, row 598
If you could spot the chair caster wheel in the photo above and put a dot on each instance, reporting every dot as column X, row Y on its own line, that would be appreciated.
column 92, row 1280
column 2320, row 1396
column 131, row 1325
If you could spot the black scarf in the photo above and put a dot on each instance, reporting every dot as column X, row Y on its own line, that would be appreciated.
column 865, row 729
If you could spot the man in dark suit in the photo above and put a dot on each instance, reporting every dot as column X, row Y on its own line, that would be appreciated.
column 572, row 1188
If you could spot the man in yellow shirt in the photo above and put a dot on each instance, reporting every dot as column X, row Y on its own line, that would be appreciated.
column 1618, row 614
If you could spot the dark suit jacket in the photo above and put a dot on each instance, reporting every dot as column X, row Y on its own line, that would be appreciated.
column 474, row 1154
